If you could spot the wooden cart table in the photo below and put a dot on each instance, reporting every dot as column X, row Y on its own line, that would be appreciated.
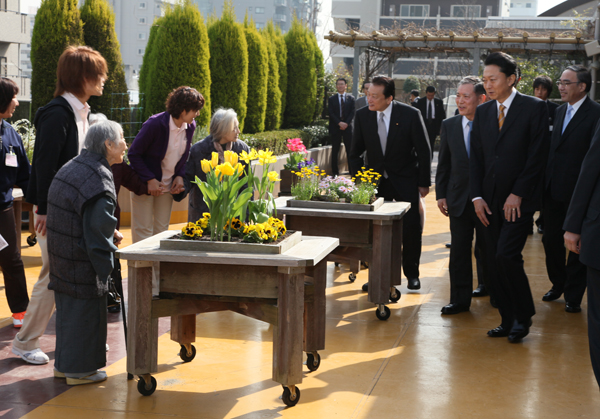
column 286, row 290
column 371, row 236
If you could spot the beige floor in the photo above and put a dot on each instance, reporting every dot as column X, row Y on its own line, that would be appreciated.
column 418, row 364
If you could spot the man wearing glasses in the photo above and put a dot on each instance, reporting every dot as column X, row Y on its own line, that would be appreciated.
column 573, row 130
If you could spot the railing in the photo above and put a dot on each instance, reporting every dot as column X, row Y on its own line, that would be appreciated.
column 280, row 18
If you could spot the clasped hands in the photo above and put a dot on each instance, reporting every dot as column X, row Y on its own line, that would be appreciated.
column 156, row 188
column 512, row 209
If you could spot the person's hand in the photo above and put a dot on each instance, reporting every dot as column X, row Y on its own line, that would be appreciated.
column 481, row 209
column 155, row 187
column 573, row 242
column 512, row 208
column 177, row 185
column 343, row 125
column 443, row 206
column 423, row 191
column 40, row 224
column 117, row 238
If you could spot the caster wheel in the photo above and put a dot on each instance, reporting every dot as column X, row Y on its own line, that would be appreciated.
column 183, row 354
column 31, row 241
column 384, row 316
column 395, row 298
column 143, row 387
column 129, row 376
column 313, row 363
column 336, row 264
column 287, row 397
column 352, row 277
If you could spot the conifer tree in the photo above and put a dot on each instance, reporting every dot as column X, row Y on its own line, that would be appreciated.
column 302, row 79
column 320, row 74
column 147, row 67
column 273, row 113
column 229, row 63
column 281, row 55
column 258, row 75
column 57, row 25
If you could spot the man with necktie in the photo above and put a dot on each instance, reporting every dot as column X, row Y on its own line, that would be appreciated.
column 394, row 138
column 341, row 114
column 432, row 110
column 509, row 150
column 453, row 198
column 575, row 126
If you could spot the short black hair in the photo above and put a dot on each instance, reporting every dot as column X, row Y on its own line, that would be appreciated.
column 184, row 98
column 389, row 87
column 415, row 93
column 505, row 62
column 480, row 89
column 365, row 82
column 543, row 81
column 583, row 75
column 342, row 79
column 430, row 89
column 8, row 90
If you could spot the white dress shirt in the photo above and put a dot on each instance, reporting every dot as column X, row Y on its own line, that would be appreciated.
column 175, row 149
column 81, row 111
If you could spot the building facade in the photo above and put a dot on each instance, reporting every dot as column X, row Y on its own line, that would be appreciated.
column 14, row 34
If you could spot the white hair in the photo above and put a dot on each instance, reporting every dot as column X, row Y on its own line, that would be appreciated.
column 222, row 123
column 99, row 133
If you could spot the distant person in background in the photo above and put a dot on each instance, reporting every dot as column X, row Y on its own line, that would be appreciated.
column 414, row 97
column 14, row 170
column 341, row 114
column 432, row 110
column 361, row 102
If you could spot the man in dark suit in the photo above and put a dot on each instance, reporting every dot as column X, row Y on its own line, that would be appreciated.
column 574, row 129
column 453, row 198
column 341, row 114
column 414, row 97
column 394, row 138
column 361, row 102
column 582, row 237
column 432, row 110
column 509, row 150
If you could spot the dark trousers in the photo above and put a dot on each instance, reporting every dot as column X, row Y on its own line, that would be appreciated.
column 569, row 278
column 337, row 135
column 411, row 226
column 593, row 296
column 507, row 282
column 432, row 132
column 15, row 284
column 461, row 261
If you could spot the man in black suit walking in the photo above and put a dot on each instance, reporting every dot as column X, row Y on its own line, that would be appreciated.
column 432, row 110
column 394, row 138
column 452, row 193
column 509, row 150
column 341, row 114
column 582, row 237
column 574, row 129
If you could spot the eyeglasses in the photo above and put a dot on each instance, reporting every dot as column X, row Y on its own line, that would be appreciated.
column 566, row 82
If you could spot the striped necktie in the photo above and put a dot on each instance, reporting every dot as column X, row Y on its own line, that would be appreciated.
column 501, row 117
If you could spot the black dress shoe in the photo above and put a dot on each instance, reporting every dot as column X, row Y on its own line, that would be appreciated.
column 572, row 308
column 551, row 295
column 454, row 308
column 414, row 284
column 540, row 230
column 448, row 245
column 493, row 303
column 480, row 291
column 519, row 331
column 499, row 332
column 365, row 287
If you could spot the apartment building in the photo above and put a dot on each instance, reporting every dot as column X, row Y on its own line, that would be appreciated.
column 14, row 34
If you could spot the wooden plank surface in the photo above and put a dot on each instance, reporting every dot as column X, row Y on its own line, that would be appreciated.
column 232, row 247
column 356, row 231
column 338, row 206
column 388, row 211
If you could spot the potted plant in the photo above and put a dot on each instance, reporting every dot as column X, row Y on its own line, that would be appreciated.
column 295, row 161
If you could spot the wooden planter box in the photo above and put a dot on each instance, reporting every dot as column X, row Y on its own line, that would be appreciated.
column 341, row 206
column 231, row 247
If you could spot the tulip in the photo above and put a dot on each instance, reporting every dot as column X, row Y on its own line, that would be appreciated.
column 273, row 176
column 214, row 161
column 226, row 169
column 206, row 166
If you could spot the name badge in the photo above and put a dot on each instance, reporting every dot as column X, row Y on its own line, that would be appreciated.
column 11, row 159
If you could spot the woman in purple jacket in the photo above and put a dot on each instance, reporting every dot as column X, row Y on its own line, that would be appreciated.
column 158, row 155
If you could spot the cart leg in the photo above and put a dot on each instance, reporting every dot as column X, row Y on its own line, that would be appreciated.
column 315, row 310
column 380, row 268
column 396, row 252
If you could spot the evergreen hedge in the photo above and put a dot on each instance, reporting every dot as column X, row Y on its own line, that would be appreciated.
column 273, row 113
column 229, row 63
column 57, row 25
column 178, row 56
column 281, row 55
column 320, row 74
column 145, row 76
column 258, row 76
column 302, row 85
column 99, row 33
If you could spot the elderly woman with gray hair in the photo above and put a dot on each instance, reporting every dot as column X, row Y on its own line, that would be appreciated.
column 224, row 132
column 81, row 242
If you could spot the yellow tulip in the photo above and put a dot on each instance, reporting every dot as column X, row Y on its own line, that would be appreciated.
column 226, row 169
column 214, row 161
column 231, row 157
column 205, row 166
column 273, row 176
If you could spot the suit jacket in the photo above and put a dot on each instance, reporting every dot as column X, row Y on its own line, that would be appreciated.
column 511, row 160
column 334, row 111
column 551, row 111
column 583, row 216
column 361, row 102
column 568, row 149
column 452, row 176
column 440, row 113
column 407, row 159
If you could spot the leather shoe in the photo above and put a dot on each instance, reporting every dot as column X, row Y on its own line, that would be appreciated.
column 448, row 245
column 454, row 308
column 551, row 295
column 365, row 287
column 480, row 291
column 414, row 284
column 498, row 332
column 519, row 331
column 572, row 308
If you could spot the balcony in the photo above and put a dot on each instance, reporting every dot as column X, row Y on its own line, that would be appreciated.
column 279, row 18
column 281, row 3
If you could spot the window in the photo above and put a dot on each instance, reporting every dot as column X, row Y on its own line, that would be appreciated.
column 259, row 25
column 392, row 11
column 259, row 10
column 142, row 21
column 470, row 11
column 412, row 10
column 142, row 5
column 141, row 51
column 528, row 5
column 141, row 36
column 353, row 24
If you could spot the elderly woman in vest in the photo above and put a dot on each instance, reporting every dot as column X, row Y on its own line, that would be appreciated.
column 224, row 132
column 81, row 232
